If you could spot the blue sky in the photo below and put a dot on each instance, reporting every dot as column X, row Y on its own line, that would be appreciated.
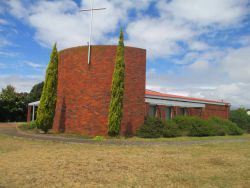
column 195, row 48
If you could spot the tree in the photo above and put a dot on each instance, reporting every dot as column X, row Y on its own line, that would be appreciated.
column 46, row 109
column 36, row 92
column 241, row 118
column 117, row 91
column 13, row 105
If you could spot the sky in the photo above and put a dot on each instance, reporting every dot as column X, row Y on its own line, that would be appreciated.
column 195, row 48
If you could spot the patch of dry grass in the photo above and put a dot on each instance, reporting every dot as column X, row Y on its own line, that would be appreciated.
column 27, row 163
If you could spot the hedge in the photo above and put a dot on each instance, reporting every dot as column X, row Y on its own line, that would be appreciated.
column 187, row 126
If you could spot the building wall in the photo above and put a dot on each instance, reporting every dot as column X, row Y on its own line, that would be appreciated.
column 83, row 93
column 205, row 113
column 216, row 110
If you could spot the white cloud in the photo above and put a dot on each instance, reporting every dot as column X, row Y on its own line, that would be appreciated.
column 204, row 12
column 198, row 45
column 245, row 40
column 158, row 36
column 33, row 65
column 17, row 8
column 237, row 64
column 21, row 83
column 3, row 21
column 219, row 75
column 199, row 66
column 203, row 84
column 61, row 21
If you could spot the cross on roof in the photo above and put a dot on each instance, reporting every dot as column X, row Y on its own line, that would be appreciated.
column 90, row 27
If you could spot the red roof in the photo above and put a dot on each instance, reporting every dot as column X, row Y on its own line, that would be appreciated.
column 158, row 94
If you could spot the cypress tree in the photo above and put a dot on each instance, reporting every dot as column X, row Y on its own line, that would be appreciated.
column 117, row 91
column 46, row 109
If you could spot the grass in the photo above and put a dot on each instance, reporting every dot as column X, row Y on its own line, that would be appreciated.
column 188, row 138
column 33, row 163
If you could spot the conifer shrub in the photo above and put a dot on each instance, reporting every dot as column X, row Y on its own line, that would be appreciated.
column 117, row 91
column 46, row 108
column 171, row 130
column 152, row 128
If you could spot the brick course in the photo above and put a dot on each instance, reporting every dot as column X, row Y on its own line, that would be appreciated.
column 83, row 93
column 210, row 110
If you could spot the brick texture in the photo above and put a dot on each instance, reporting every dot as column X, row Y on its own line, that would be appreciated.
column 208, row 111
column 83, row 93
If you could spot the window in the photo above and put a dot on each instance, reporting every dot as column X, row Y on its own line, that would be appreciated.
column 183, row 111
column 152, row 110
column 168, row 111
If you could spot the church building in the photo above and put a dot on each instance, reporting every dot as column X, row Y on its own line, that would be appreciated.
column 84, row 91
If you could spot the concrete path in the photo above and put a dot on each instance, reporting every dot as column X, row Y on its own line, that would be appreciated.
column 11, row 129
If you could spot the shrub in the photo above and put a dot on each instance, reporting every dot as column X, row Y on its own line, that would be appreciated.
column 195, row 126
column 152, row 128
column 234, row 130
column 99, row 138
column 201, row 128
column 187, row 124
column 171, row 130
column 241, row 118
column 229, row 127
column 30, row 125
column 216, row 129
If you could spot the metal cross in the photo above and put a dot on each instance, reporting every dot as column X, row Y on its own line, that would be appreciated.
column 90, row 27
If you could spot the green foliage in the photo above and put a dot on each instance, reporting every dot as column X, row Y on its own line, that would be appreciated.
column 241, row 118
column 186, row 123
column 36, row 92
column 13, row 105
column 99, row 138
column 30, row 125
column 46, row 109
column 171, row 130
column 117, row 90
column 202, row 129
column 229, row 127
column 152, row 128
column 216, row 128
column 187, row 126
column 194, row 126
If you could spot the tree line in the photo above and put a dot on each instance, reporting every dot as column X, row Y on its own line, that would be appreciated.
column 14, row 105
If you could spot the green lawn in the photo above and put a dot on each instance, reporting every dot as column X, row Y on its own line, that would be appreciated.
column 33, row 163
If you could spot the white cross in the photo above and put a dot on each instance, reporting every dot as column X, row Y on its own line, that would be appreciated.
column 90, row 27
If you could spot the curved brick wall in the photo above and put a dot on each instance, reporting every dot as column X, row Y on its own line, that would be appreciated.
column 83, row 93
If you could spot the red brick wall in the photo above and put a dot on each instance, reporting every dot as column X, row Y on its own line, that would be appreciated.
column 205, row 113
column 83, row 93
column 195, row 112
column 216, row 110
